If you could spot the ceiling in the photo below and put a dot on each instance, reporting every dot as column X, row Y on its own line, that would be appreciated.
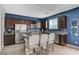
column 37, row 10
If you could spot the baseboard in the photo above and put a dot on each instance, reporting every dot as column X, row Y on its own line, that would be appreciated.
column 72, row 46
column 0, row 51
column 1, row 48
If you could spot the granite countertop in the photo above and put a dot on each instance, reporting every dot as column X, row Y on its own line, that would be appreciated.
column 8, row 34
column 61, row 32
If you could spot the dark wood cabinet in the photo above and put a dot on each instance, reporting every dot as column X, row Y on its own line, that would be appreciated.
column 22, row 21
column 33, row 22
column 12, row 21
column 9, row 40
column 62, row 40
column 17, row 21
column 43, row 25
column 62, row 22
column 9, row 22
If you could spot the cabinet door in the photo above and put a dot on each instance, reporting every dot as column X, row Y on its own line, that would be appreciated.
column 21, row 21
column 26, row 22
column 9, row 22
column 17, row 21
column 43, row 24
column 62, row 22
column 62, row 39
column 9, row 40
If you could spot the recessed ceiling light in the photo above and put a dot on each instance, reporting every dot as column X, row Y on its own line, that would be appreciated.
column 46, row 13
column 50, row 9
column 37, row 4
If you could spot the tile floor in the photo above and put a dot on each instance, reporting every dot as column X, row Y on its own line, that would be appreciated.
column 65, row 50
column 58, row 50
column 13, row 50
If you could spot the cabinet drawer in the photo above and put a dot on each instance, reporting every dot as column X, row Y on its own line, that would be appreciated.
column 9, row 40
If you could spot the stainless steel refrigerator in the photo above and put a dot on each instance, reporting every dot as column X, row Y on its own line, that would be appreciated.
column 19, row 29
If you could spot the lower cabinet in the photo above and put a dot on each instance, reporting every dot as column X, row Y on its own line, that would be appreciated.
column 9, row 40
column 62, row 40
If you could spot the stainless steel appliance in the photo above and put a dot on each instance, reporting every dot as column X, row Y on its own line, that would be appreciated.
column 19, row 29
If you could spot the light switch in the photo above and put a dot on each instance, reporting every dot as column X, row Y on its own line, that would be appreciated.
column 76, row 34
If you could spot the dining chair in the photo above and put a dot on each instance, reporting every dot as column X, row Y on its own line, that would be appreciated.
column 43, row 43
column 51, row 41
column 32, row 44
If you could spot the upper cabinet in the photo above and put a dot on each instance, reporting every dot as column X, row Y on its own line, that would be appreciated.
column 43, row 24
column 20, row 21
column 62, row 22
column 9, row 22
column 17, row 21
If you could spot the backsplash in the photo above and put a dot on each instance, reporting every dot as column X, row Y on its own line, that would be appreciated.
column 9, row 31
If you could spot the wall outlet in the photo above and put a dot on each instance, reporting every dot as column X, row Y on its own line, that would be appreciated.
column 76, row 42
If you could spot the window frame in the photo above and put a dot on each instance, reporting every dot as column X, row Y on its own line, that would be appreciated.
column 54, row 24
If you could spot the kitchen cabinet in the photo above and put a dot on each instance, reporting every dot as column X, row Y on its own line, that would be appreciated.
column 17, row 21
column 62, row 40
column 60, row 37
column 62, row 22
column 33, row 22
column 9, row 40
column 22, row 21
column 9, row 22
column 43, row 26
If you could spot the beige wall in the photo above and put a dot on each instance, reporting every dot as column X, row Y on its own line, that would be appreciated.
column 38, row 24
column 2, row 15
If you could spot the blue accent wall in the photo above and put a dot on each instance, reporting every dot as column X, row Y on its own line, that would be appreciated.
column 73, row 13
column 22, row 17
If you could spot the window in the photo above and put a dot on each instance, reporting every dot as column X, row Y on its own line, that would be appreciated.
column 53, row 23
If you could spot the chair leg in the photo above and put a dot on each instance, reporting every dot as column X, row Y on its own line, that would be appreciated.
column 53, row 47
column 38, row 50
column 47, row 49
column 34, row 51
column 27, row 52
